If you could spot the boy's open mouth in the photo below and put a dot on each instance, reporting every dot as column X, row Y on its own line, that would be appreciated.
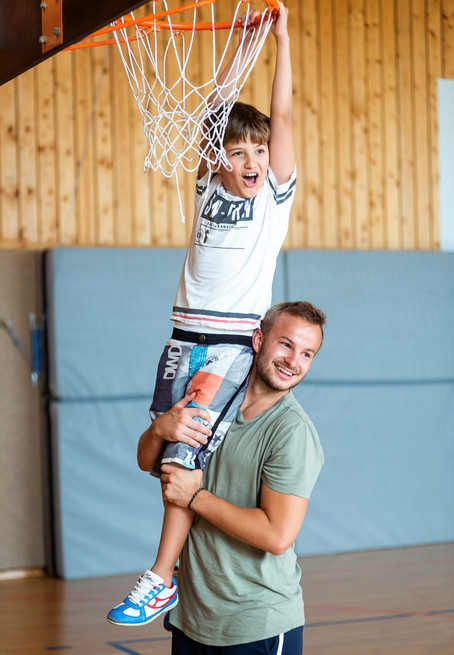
column 250, row 179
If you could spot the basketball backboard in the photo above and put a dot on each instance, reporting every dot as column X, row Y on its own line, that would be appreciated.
column 33, row 30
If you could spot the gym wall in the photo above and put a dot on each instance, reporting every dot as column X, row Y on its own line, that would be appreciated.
column 22, row 447
column 365, row 110
column 380, row 393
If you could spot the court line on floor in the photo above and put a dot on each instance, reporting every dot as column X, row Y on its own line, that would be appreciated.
column 382, row 612
column 386, row 617
column 121, row 645
column 373, row 567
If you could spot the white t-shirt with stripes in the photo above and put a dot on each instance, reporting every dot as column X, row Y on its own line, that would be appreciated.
column 228, row 271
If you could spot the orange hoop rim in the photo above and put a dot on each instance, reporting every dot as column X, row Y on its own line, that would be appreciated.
column 153, row 23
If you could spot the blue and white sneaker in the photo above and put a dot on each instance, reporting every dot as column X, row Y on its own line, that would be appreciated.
column 149, row 599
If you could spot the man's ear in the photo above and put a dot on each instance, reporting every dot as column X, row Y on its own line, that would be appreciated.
column 257, row 340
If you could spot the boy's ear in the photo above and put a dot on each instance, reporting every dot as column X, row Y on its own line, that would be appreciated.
column 214, row 163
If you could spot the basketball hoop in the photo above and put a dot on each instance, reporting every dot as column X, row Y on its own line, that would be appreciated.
column 161, row 58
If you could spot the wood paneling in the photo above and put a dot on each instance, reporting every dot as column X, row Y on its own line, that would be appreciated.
column 365, row 107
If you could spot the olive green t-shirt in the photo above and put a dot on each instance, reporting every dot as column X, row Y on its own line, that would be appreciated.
column 229, row 592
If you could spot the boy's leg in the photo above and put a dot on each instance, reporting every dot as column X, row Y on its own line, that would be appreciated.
column 219, row 384
column 176, row 524
column 156, row 591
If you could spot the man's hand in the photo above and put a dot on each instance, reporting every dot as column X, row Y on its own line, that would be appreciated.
column 177, row 424
column 179, row 484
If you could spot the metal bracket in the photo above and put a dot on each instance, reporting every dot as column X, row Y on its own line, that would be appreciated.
column 51, row 24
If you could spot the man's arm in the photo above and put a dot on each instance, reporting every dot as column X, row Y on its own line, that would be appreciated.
column 282, row 150
column 272, row 527
column 177, row 424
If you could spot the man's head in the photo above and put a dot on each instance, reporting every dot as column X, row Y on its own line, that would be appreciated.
column 290, row 336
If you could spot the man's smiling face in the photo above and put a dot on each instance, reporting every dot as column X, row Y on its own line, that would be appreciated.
column 285, row 353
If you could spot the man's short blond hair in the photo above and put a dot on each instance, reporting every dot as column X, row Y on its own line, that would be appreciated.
column 300, row 309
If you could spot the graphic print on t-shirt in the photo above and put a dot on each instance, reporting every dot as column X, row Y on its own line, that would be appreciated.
column 222, row 213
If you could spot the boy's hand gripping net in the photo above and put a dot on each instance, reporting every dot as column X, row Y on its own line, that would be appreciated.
column 164, row 62
column 175, row 73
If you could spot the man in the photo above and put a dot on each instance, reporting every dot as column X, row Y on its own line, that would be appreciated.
column 239, row 578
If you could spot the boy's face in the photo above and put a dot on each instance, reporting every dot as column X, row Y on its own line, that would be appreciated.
column 249, row 163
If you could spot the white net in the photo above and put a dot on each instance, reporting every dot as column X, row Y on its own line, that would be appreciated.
column 173, row 70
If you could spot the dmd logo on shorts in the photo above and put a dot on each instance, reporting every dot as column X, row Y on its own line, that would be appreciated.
column 174, row 354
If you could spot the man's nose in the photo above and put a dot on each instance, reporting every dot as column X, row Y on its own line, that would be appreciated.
column 291, row 359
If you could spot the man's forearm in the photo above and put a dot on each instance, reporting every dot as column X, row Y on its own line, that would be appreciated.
column 249, row 525
column 272, row 527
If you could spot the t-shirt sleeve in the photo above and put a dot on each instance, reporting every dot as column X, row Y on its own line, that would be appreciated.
column 295, row 459
column 285, row 191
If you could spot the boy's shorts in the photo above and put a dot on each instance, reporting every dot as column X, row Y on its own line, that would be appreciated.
column 218, row 372
column 287, row 643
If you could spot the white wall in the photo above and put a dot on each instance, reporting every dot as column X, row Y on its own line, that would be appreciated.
column 446, row 159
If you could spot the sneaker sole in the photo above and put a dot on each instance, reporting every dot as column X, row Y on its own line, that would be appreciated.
column 152, row 618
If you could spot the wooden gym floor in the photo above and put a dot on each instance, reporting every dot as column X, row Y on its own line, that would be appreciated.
column 393, row 602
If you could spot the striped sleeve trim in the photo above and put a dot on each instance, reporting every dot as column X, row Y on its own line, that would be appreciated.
column 282, row 197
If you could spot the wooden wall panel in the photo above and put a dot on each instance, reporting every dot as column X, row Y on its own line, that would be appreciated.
column 309, row 165
column 375, row 135
column 447, row 36
column 47, row 196
column 86, row 86
column 329, row 138
column 27, row 161
column 434, row 59
column 392, row 213
column 365, row 105
column 9, row 179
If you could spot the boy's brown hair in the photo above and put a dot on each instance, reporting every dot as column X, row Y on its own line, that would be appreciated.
column 244, row 122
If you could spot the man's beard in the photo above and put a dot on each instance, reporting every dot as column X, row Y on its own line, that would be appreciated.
column 265, row 375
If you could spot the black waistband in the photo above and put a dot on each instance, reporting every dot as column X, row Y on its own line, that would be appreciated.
column 210, row 339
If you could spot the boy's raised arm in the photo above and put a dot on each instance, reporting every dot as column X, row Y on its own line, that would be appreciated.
column 282, row 149
column 229, row 74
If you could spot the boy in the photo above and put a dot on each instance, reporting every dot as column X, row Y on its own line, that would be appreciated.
column 241, row 220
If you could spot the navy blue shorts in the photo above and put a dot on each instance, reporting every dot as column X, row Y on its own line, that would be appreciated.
column 289, row 643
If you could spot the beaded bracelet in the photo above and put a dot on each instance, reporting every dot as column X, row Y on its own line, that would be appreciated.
column 194, row 496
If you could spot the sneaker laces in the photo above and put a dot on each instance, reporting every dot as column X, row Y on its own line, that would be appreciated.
column 145, row 584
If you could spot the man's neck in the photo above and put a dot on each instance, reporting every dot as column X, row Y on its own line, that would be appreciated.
column 258, row 399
